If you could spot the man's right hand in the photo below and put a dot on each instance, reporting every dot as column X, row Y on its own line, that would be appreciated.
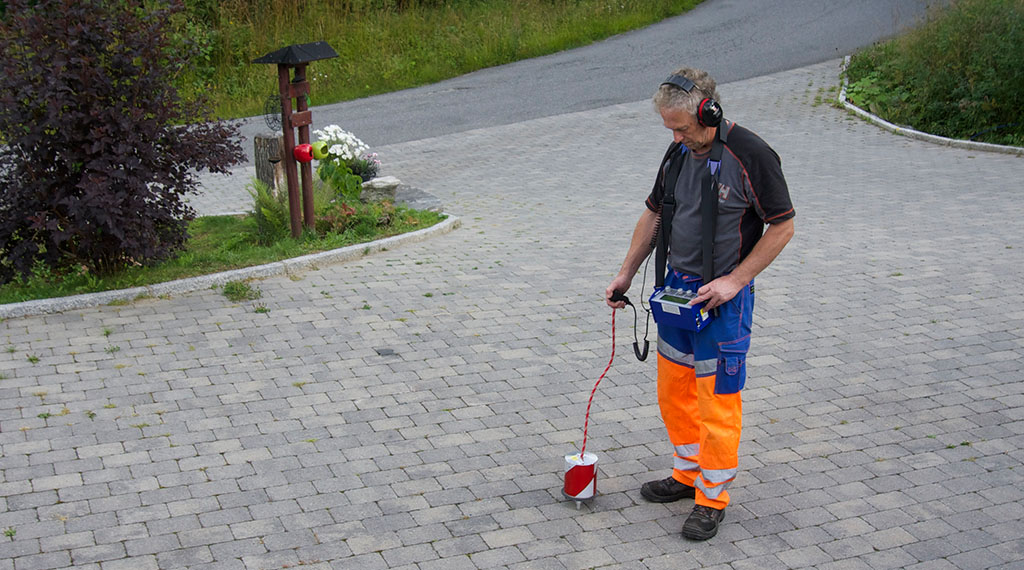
column 620, row 284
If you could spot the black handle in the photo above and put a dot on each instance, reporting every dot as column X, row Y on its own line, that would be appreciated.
column 618, row 296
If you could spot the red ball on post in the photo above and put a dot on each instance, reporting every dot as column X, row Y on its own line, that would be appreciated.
column 303, row 153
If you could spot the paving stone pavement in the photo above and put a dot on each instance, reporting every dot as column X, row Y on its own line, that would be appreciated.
column 412, row 409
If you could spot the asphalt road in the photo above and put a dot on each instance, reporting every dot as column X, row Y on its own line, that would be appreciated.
column 734, row 39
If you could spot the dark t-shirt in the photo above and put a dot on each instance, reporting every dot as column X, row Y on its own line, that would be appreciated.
column 751, row 192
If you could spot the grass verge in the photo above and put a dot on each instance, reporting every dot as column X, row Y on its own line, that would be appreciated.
column 386, row 46
column 218, row 243
column 959, row 75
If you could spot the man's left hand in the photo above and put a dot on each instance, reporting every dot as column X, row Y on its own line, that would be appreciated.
column 719, row 291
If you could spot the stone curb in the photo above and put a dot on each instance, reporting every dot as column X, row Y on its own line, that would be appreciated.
column 896, row 129
column 287, row 266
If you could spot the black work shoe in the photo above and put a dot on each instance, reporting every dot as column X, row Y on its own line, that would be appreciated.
column 702, row 523
column 666, row 491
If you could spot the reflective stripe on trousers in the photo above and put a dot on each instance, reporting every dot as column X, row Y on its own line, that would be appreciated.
column 686, row 457
column 702, row 367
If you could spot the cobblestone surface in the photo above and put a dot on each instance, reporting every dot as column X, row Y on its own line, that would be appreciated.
column 411, row 409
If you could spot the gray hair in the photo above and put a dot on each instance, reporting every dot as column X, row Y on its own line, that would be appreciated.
column 671, row 97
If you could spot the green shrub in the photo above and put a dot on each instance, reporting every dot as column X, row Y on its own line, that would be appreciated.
column 271, row 212
column 339, row 178
column 335, row 218
column 959, row 75
column 358, row 221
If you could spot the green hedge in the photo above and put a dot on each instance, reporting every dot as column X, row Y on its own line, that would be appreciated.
column 959, row 75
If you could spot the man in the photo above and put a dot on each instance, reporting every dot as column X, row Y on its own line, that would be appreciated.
column 700, row 374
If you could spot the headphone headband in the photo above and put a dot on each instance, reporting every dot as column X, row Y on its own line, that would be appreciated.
column 680, row 81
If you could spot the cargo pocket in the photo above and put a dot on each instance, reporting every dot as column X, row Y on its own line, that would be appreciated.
column 732, row 366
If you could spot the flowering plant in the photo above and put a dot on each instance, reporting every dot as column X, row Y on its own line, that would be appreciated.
column 348, row 162
column 341, row 144
column 366, row 167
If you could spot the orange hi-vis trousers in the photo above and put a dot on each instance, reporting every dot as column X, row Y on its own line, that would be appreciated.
column 700, row 377
column 704, row 429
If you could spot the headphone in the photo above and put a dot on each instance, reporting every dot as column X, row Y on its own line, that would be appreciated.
column 709, row 112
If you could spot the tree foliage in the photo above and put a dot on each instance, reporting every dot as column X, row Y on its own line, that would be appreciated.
column 99, row 150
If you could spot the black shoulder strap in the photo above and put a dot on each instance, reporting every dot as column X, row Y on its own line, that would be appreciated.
column 709, row 205
column 668, row 208
column 708, row 208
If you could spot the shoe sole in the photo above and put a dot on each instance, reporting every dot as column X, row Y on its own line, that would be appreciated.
column 663, row 499
column 698, row 535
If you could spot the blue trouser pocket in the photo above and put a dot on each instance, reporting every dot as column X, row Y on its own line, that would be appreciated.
column 732, row 366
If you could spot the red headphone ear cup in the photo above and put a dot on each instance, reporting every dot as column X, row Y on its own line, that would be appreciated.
column 709, row 113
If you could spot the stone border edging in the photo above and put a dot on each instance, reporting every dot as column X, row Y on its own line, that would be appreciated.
column 958, row 143
column 189, row 284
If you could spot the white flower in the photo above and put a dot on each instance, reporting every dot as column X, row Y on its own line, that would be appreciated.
column 341, row 144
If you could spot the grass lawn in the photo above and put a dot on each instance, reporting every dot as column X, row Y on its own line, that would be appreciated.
column 217, row 243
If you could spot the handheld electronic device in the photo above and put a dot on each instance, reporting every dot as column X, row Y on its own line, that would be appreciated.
column 675, row 307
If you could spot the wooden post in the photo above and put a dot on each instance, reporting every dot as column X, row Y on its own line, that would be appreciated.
column 290, row 169
column 302, row 119
column 297, row 56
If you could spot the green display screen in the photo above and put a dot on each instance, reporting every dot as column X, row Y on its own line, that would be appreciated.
column 674, row 299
